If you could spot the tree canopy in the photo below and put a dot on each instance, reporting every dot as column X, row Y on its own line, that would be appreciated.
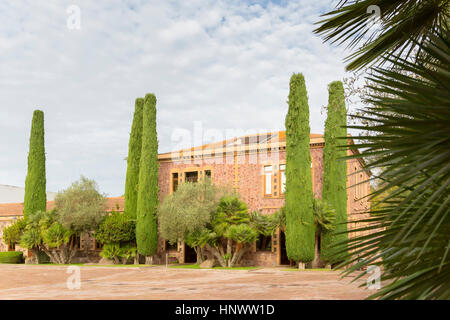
column 81, row 206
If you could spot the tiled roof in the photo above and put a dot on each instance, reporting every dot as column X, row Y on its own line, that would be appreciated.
column 16, row 209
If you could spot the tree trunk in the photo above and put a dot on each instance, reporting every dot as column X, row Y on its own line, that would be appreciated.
column 316, row 262
column 199, row 252
column 229, row 246
column 149, row 260
column 216, row 252
column 301, row 265
column 136, row 258
column 238, row 255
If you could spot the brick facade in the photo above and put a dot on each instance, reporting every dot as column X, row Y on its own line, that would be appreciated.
column 241, row 169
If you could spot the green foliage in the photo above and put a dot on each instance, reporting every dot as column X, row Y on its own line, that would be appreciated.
column 279, row 218
column 231, row 211
column 11, row 257
column 404, row 24
column 241, row 233
column 133, row 160
column 116, row 228
column 267, row 224
column 56, row 235
column 13, row 232
column 32, row 235
column 111, row 251
column 35, row 193
column 147, row 204
column 43, row 232
column 324, row 216
column 334, row 190
column 300, row 234
column 409, row 227
column 188, row 209
column 43, row 229
column 80, row 207
column 119, row 253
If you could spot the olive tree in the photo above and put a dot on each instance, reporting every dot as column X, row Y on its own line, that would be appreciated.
column 81, row 206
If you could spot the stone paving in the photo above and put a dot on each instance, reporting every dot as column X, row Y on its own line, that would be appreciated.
column 159, row 282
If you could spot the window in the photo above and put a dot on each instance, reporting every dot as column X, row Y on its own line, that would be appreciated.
column 264, row 243
column 174, row 181
column 191, row 176
column 171, row 247
column 282, row 178
column 267, row 180
column 98, row 245
column 12, row 246
column 208, row 173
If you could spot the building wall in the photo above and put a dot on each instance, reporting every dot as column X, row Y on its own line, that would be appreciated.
column 244, row 173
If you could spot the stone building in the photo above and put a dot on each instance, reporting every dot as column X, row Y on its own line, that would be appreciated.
column 252, row 165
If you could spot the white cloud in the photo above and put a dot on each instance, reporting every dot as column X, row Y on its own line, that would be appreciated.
column 224, row 63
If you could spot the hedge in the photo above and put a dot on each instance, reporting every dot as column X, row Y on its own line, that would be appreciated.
column 11, row 257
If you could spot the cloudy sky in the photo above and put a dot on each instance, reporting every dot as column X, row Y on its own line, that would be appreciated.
column 221, row 64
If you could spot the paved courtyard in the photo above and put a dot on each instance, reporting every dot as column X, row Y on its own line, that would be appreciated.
column 50, row 282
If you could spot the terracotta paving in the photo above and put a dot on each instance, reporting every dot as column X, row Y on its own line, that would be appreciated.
column 50, row 282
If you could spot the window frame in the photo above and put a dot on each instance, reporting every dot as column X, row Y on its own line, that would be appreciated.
column 265, row 176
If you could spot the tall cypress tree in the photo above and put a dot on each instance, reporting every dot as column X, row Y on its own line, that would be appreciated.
column 147, row 203
column 35, row 183
column 334, row 190
column 300, row 233
column 133, row 160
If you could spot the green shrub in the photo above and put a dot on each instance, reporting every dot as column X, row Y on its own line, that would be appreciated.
column 13, row 232
column 11, row 257
column 116, row 228
column 118, row 253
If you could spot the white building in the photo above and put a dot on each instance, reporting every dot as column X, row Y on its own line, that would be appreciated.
column 12, row 194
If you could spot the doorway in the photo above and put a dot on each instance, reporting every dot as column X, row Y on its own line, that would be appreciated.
column 284, row 260
column 190, row 256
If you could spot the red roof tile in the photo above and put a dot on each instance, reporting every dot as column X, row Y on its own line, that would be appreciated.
column 16, row 209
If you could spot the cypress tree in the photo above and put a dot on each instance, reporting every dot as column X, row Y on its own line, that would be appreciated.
column 300, row 233
column 35, row 183
column 134, row 157
column 334, row 191
column 147, row 203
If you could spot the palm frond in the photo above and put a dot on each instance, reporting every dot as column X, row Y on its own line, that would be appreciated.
column 404, row 24
column 408, row 231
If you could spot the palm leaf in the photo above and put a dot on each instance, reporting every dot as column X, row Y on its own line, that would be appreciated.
column 404, row 24
column 409, row 225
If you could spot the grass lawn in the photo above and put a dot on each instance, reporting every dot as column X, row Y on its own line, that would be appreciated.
column 312, row 269
column 197, row 266
column 96, row 265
